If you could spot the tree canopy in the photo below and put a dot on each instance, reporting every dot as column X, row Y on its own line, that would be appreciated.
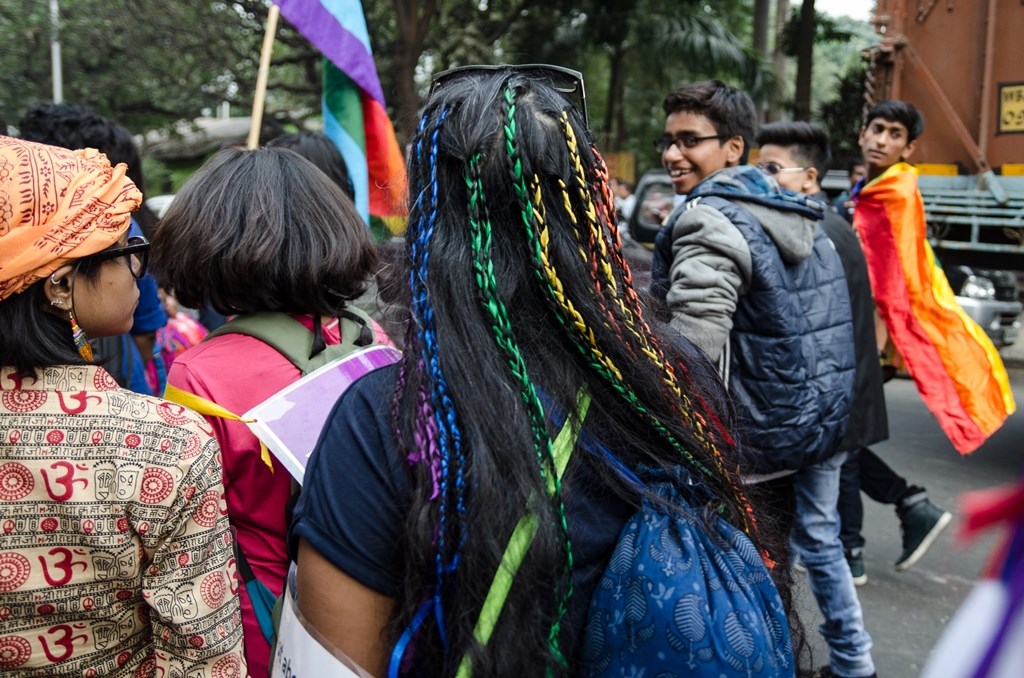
column 149, row 65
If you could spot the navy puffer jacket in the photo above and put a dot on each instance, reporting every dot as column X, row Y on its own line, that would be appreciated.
column 790, row 347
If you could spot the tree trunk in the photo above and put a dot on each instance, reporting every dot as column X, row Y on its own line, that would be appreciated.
column 777, row 109
column 762, row 18
column 804, row 62
column 413, row 19
column 614, row 117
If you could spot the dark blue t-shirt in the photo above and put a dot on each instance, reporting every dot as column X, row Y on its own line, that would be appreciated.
column 356, row 494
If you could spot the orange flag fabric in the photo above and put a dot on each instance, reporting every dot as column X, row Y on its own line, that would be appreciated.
column 954, row 364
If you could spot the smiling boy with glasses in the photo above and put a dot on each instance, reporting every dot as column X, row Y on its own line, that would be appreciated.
column 746, row 273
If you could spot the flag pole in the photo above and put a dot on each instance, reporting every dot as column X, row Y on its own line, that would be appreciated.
column 261, row 78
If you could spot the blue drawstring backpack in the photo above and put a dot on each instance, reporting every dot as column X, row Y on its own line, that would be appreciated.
column 677, row 601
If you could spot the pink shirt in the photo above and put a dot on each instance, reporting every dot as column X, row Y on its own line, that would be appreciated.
column 238, row 372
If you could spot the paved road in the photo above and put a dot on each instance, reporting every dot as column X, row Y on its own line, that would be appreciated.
column 906, row 612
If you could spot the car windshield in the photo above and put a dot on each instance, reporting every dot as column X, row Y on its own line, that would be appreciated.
column 656, row 204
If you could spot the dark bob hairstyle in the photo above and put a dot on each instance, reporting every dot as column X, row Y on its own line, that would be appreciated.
column 263, row 230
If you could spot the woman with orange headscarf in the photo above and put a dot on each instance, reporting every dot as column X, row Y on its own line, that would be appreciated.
column 114, row 548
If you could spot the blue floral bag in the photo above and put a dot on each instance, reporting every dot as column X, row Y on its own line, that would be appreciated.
column 677, row 601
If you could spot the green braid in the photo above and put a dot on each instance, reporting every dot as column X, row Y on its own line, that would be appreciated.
column 502, row 329
column 597, row 360
column 578, row 329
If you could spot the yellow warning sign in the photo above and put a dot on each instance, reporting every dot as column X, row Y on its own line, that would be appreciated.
column 1011, row 108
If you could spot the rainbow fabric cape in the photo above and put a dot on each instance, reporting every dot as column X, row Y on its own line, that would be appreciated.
column 355, row 117
column 957, row 370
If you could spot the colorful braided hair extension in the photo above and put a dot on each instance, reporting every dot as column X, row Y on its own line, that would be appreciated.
column 632, row 313
column 606, row 283
column 437, row 426
column 501, row 328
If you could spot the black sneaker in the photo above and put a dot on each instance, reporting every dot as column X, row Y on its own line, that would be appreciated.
column 855, row 559
column 921, row 525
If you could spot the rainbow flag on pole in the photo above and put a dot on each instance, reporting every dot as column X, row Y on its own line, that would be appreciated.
column 353, row 105
column 957, row 370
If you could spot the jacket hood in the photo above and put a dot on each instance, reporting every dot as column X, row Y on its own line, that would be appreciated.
column 788, row 218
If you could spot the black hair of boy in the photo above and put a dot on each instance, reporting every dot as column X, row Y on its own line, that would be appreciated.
column 729, row 109
column 322, row 152
column 902, row 112
column 73, row 127
column 263, row 230
column 810, row 142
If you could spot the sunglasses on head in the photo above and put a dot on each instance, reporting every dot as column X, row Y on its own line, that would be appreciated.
column 774, row 168
column 565, row 80
column 136, row 250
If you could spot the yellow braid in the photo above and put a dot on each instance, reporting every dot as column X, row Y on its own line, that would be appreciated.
column 597, row 232
column 641, row 332
column 540, row 215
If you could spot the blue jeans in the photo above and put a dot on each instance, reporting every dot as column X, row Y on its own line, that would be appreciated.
column 815, row 538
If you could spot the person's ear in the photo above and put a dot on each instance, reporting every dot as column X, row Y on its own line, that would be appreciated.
column 905, row 155
column 734, row 148
column 810, row 181
column 57, row 288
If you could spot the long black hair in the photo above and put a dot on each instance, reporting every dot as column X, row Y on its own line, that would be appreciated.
column 520, row 299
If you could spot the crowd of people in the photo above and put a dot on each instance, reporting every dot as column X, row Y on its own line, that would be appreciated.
column 563, row 475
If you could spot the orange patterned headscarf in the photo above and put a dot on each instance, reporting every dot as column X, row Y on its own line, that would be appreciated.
column 57, row 206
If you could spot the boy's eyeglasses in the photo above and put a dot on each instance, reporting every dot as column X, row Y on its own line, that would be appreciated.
column 137, row 251
column 567, row 81
column 685, row 141
column 774, row 168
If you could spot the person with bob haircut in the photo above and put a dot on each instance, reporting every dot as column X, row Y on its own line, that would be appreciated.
column 116, row 554
column 521, row 309
column 260, row 232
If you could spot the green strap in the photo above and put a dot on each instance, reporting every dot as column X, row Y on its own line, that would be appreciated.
column 522, row 537
column 294, row 341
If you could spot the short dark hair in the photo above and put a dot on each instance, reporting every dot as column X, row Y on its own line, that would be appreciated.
column 729, row 109
column 74, row 127
column 899, row 111
column 809, row 142
column 322, row 152
column 854, row 163
column 263, row 230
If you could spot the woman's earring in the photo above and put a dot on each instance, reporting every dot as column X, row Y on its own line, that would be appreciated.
column 81, row 341
column 57, row 302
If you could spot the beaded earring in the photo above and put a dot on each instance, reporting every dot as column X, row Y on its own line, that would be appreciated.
column 78, row 335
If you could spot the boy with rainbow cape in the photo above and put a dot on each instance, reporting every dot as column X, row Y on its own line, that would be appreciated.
column 956, row 367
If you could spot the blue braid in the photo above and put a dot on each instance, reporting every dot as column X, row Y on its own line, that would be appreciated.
column 446, row 419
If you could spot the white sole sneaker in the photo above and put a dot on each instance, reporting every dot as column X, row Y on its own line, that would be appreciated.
column 926, row 543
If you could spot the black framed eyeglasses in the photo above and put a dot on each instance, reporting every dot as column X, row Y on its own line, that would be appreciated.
column 136, row 250
column 774, row 168
column 567, row 81
column 685, row 141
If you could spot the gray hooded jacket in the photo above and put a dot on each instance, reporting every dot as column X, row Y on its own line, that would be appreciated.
column 748, row 275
